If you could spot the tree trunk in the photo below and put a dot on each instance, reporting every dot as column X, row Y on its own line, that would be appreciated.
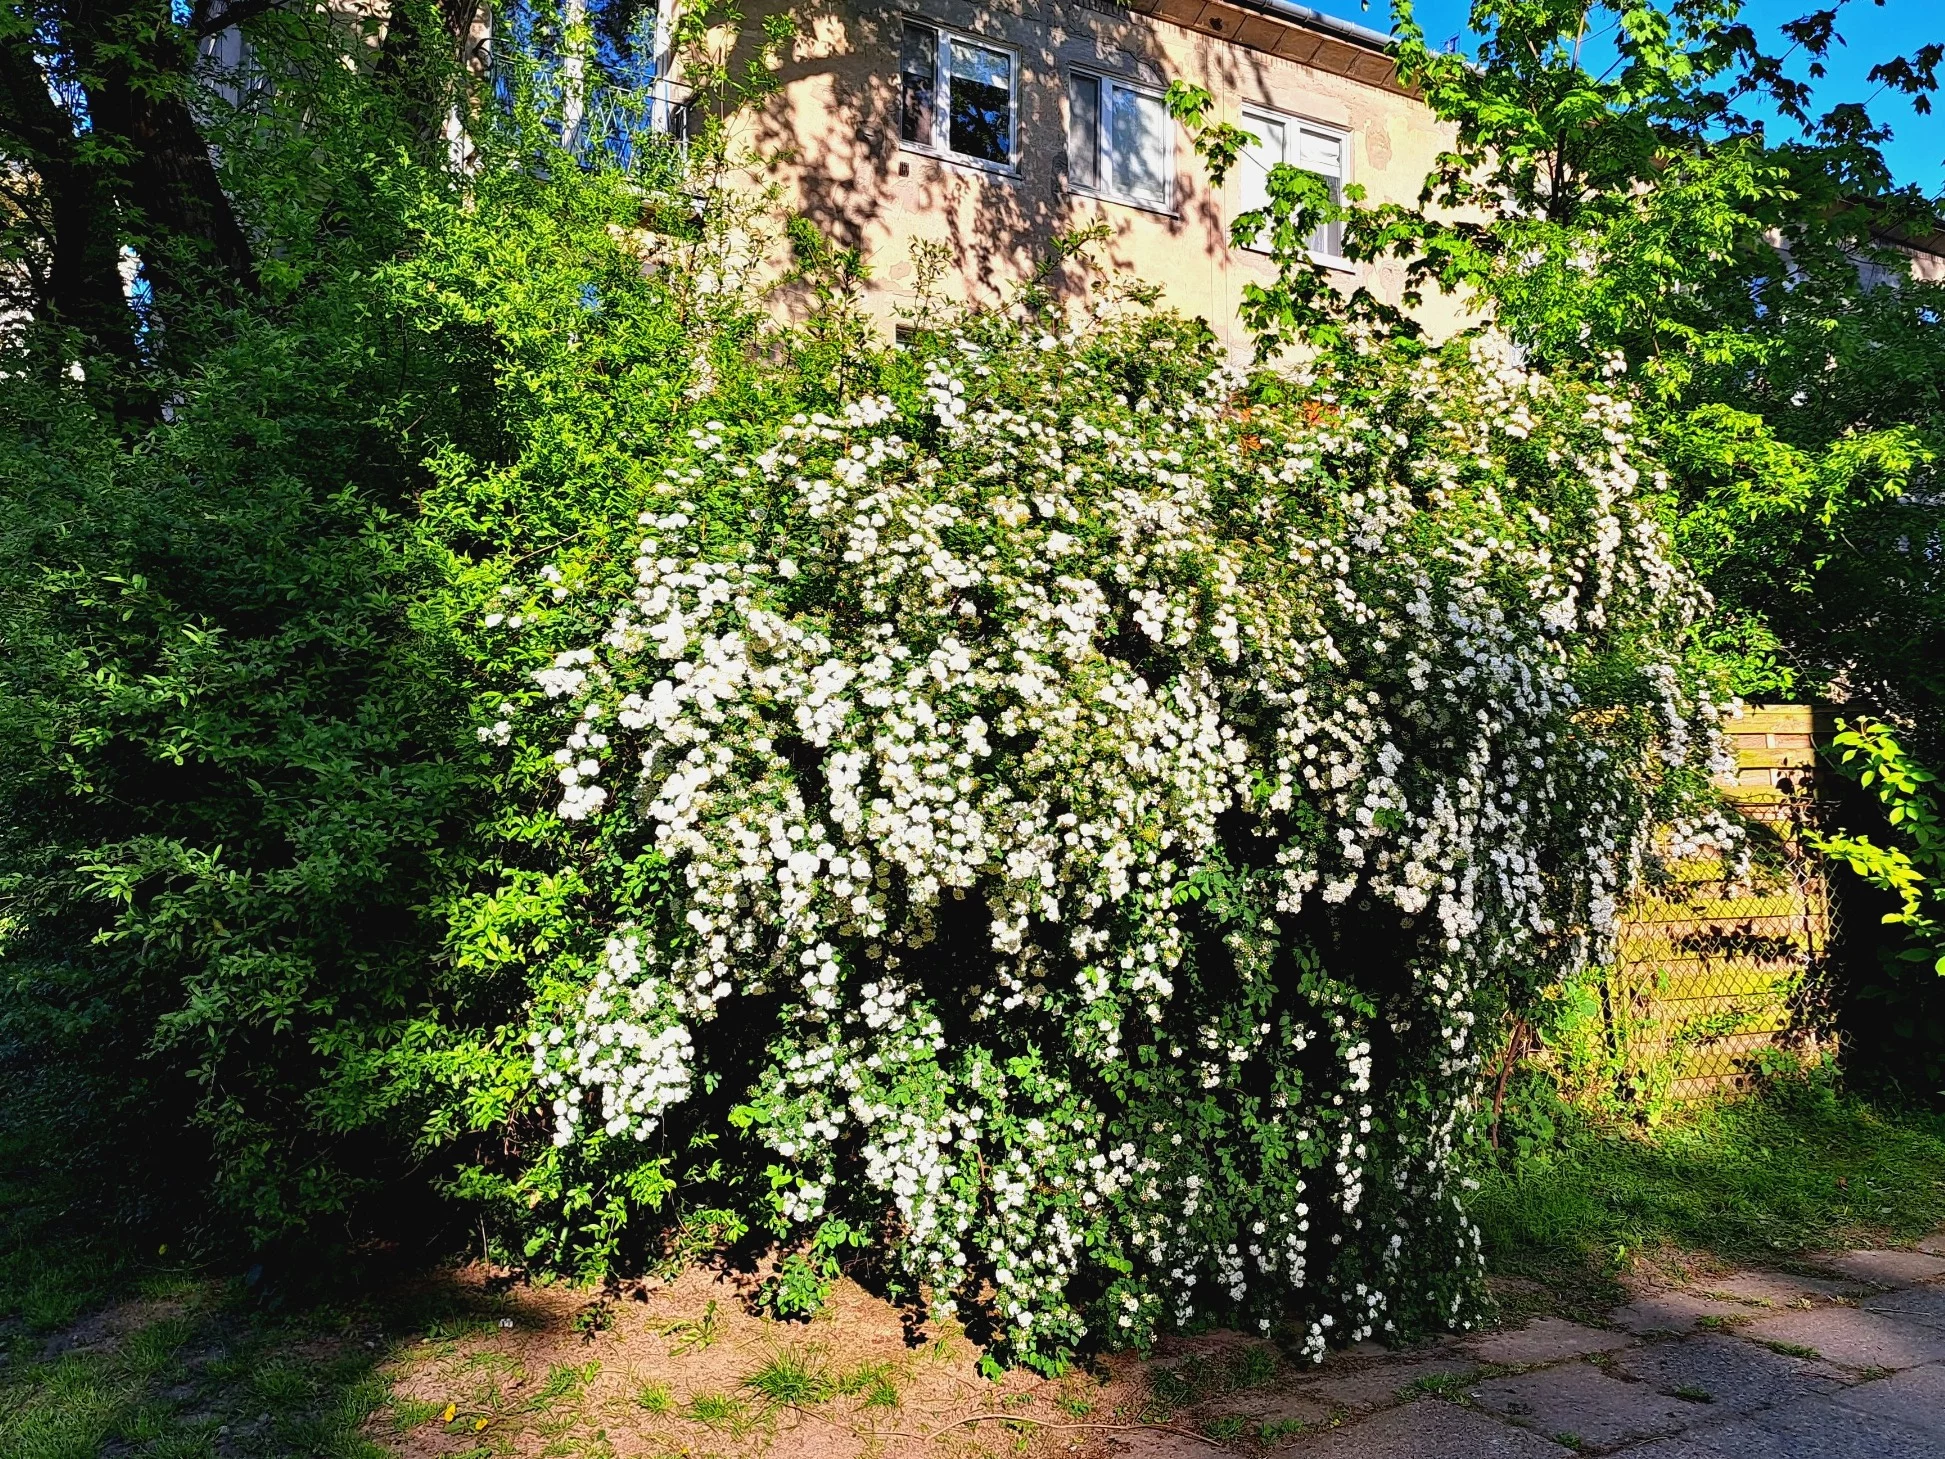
column 137, row 66
column 84, row 283
column 574, row 62
column 424, row 75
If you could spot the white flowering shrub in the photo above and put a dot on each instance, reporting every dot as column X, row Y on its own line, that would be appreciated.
column 1076, row 821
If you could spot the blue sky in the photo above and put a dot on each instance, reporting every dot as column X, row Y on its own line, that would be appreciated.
column 1872, row 32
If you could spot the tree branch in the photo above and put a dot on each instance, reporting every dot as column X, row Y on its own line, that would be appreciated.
column 203, row 25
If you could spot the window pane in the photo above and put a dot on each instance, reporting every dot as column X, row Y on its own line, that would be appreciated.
column 1329, row 237
column 1084, row 131
column 1256, row 162
column 1138, row 144
column 1323, row 154
column 918, row 71
column 980, row 122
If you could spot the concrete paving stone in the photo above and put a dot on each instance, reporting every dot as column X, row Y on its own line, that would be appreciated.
column 1263, row 1408
column 1813, row 1428
column 1915, row 1397
column 1780, row 1289
column 1546, row 1340
column 1383, row 1383
column 1672, row 1310
column 1851, row 1337
column 1737, row 1376
column 1922, row 1305
column 1887, row 1268
column 1581, row 1400
column 1428, row 1429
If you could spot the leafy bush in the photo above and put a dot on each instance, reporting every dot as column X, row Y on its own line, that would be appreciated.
column 1894, row 1025
column 1072, row 819
column 1915, row 871
column 246, row 797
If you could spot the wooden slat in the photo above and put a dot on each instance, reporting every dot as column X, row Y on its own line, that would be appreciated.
column 1718, row 908
column 1781, row 758
column 1774, row 718
column 1776, row 926
column 1743, row 980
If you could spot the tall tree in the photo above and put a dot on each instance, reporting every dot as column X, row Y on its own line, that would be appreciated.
column 135, row 65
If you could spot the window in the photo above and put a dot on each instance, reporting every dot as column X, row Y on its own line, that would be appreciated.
column 958, row 96
column 1119, row 141
column 1301, row 144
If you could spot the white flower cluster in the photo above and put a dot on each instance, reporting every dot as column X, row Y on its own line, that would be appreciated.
column 1119, row 798
column 623, row 1050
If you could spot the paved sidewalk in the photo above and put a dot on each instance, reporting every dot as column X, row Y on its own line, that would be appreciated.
column 1845, row 1364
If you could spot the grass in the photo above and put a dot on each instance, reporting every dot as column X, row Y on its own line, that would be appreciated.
column 566, row 1380
column 692, row 1335
column 791, row 1379
column 875, row 1385
column 1202, row 1378
column 157, row 1393
column 718, row 1411
column 110, row 1346
column 111, row 1349
column 1443, row 1385
column 1792, row 1168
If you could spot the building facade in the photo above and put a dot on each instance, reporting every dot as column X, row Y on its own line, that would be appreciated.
column 987, row 130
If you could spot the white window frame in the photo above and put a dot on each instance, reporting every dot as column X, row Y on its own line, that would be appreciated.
column 1341, row 135
column 1103, row 161
column 940, row 145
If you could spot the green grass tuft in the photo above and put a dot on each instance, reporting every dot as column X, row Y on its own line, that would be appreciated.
column 716, row 1411
column 875, row 1385
column 1253, row 1367
column 791, row 1379
column 566, row 1380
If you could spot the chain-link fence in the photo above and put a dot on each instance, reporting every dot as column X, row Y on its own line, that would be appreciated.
column 1721, row 968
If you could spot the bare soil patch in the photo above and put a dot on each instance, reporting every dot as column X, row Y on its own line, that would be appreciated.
column 689, row 1369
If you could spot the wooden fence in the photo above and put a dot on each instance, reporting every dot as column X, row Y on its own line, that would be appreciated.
column 1714, row 965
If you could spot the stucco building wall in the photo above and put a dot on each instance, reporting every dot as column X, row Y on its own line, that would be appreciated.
column 833, row 128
